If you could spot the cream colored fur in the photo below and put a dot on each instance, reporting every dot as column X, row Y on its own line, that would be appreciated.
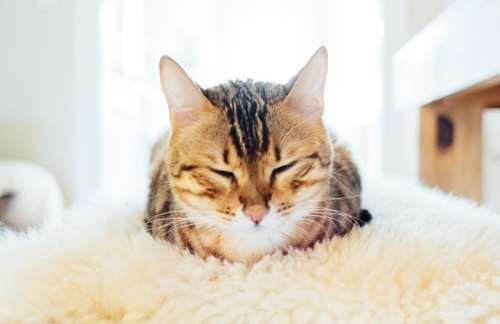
column 37, row 196
column 425, row 258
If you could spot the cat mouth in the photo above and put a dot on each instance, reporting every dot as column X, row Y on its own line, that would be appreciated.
column 258, row 228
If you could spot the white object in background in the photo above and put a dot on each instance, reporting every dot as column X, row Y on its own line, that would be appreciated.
column 458, row 49
column 36, row 194
column 491, row 158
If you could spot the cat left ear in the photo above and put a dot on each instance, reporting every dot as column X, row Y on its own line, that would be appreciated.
column 307, row 93
column 185, row 100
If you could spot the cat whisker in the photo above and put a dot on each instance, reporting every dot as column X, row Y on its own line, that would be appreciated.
column 349, row 218
column 184, row 219
column 287, row 235
column 167, row 213
column 333, row 211
column 178, row 226
column 332, row 176
column 304, row 232
column 326, row 199
column 329, row 215
column 180, row 212
column 171, row 217
column 318, row 224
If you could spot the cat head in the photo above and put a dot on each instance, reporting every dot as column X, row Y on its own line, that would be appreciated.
column 249, row 161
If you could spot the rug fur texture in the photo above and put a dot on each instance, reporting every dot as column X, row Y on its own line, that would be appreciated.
column 426, row 258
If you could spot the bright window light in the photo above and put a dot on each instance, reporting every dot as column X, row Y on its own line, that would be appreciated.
column 217, row 40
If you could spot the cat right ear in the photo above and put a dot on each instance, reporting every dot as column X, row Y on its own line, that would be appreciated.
column 185, row 100
column 306, row 94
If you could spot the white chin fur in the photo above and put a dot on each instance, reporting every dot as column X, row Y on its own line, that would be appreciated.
column 268, row 236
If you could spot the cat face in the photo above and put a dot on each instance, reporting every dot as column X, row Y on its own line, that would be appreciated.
column 249, row 163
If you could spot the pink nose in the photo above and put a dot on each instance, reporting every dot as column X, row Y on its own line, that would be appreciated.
column 256, row 213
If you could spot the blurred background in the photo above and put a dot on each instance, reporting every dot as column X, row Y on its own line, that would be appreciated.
column 80, row 94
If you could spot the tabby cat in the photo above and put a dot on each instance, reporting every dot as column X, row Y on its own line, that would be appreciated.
column 249, row 168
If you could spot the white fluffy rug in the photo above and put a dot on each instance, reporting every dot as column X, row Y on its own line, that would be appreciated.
column 425, row 258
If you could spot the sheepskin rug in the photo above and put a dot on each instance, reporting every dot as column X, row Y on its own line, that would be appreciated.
column 427, row 257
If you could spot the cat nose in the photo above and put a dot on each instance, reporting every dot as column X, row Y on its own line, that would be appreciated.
column 256, row 213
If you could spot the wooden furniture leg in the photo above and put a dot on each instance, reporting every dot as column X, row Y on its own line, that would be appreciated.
column 451, row 144
column 451, row 149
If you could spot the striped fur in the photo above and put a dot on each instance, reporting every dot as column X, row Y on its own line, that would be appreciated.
column 251, row 148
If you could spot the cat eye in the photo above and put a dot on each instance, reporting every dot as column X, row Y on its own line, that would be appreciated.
column 225, row 174
column 281, row 169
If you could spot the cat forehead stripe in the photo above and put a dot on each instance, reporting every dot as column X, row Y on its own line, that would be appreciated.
column 246, row 105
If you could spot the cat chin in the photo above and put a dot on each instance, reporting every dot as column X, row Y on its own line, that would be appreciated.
column 250, row 248
column 250, row 240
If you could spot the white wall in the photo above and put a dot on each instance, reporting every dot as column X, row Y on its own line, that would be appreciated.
column 403, row 19
column 49, row 88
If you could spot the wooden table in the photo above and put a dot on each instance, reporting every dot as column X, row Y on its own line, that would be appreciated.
column 450, row 73
column 451, row 139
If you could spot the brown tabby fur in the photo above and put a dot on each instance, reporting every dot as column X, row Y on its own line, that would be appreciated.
column 253, row 150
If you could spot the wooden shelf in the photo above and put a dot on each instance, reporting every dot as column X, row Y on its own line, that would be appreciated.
column 451, row 143
column 450, row 73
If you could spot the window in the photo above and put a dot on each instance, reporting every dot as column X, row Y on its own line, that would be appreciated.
column 217, row 40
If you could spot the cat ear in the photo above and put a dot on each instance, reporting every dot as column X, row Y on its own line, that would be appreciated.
column 306, row 95
column 185, row 100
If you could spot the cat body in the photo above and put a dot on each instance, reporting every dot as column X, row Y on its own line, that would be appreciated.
column 249, row 169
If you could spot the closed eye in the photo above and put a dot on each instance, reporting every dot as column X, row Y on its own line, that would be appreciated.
column 281, row 169
column 225, row 174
